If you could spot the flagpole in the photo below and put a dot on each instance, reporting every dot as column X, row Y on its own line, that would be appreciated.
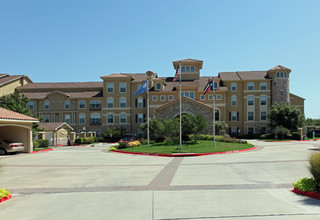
column 214, row 115
column 180, row 106
column 148, row 132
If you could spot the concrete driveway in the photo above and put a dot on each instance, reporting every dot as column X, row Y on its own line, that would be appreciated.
column 90, row 183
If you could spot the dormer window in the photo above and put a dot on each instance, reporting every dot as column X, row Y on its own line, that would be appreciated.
column 192, row 68
column 158, row 86
column 215, row 85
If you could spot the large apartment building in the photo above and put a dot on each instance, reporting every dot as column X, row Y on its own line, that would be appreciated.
column 242, row 99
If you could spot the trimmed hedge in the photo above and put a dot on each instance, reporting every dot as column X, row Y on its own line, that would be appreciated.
column 43, row 143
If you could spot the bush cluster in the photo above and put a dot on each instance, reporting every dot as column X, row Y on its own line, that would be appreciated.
column 225, row 138
column 305, row 184
column 314, row 166
column 88, row 140
column 112, row 148
column 35, row 144
column 43, row 143
column 4, row 193
column 126, row 144
column 296, row 135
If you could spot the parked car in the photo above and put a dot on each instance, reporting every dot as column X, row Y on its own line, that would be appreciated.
column 127, row 137
column 7, row 146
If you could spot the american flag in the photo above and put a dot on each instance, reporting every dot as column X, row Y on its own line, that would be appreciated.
column 177, row 74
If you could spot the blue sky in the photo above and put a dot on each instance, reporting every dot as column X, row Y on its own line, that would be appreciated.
column 77, row 40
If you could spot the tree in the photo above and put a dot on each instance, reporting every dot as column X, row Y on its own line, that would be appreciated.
column 16, row 102
column 171, row 127
column 281, row 131
column 156, row 127
column 220, row 125
column 200, row 124
column 285, row 115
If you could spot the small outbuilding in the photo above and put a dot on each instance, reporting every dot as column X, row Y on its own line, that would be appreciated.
column 17, row 127
column 56, row 132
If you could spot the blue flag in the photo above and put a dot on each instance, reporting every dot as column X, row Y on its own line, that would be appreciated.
column 142, row 89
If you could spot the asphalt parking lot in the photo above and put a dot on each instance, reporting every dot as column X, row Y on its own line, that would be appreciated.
column 91, row 183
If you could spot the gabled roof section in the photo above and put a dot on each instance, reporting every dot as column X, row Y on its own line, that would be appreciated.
column 299, row 97
column 54, row 126
column 58, row 92
column 279, row 67
column 183, row 98
column 6, row 114
column 225, row 76
column 243, row 75
column 3, row 75
column 5, row 78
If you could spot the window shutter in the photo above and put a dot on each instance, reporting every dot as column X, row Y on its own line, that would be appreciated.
column 144, row 103
column 136, row 118
column 229, row 116
column 229, row 130
column 237, row 116
column 144, row 117
column 136, row 103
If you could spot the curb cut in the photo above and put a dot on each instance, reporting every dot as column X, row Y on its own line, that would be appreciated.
column 183, row 154
column 311, row 194
column 5, row 198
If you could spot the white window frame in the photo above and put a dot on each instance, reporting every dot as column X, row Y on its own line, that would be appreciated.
column 234, row 117
column 45, row 104
column 158, row 85
column 31, row 105
column 80, row 104
column 65, row 104
column 140, row 102
column 170, row 97
column 210, row 97
column 233, row 102
column 252, row 116
column 111, row 87
column 219, row 97
column 263, row 84
column 84, row 118
column 249, row 86
column 108, row 99
column 154, row 98
column 261, row 97
column 202, row 97
column 233, row 86
column 121, row 99
column 122, row 86
column 67, row 118
column 162, row 98
column 120, row 118
column 140, row 119
column 264, row 116
column 108, row 118
column 46, row 118
column 250, row 97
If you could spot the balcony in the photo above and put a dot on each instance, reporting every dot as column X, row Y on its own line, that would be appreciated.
column 95, row 121
column 95, row 106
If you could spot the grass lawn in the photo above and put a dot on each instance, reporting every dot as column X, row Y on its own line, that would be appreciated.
column 189, row 147
column 41, row 148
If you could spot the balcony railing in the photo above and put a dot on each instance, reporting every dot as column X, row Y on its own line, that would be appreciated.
column 95, row 121
column 95, row 106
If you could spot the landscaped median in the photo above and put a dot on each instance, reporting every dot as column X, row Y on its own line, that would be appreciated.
column 189, row 148
column 4, row 195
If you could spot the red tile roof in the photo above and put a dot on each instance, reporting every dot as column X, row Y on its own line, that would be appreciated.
column 279, row 67
column 11, row 115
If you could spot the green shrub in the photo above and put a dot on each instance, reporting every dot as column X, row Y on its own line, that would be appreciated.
column 79, row 141
column 112, row 148
column 35, row 144
column 89, row 140
column 123, row 145
column 4, row 193
column 281, row 131
column 145, row 142
column 314, row 166
column 226, row 135
column 43, row 143
column 306, row 184
column 296, row 135
column 191, row 136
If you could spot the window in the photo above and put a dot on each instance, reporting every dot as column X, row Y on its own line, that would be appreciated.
column 183, row 69
column 215, row 85
column 154, row 98
column 274, row 83
column 285, row 74
column 233, row 116
column 31, row 105
column 123, row 102
column 250, row 116
column 281, row 74
column 110, row 103
column 110, row 118
column 210, row 97
column 67, row 104
column 202, row 97
column 250, row 130
column 263, row 86
column 82, row 104
column 46, row 118
column 281, row 93
column 192, row 68
column 123, row 118
column 192, row 95
column 95, row 104
column 140, row 103
column 263, row 100
column 170, row 98
column 234, row 86
column 250, row 86
column 67, row 118
column 163, row 98
column 95, row 119
column 46, row 105
column 82, row 118
column 139, row 118
column 263, row 116
column 250, row 100
column 263, row 130
column 217, row 115
column 140, row 133
column 278, row 74
column 123, row 87
column 187, row 68
column 219, row 97
column 158, row 86
column 188, row 94
column 233, row 130
column 110, row 87
column 233, row 100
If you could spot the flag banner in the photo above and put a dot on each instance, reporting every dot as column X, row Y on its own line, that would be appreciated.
column 208, row 88
column 177, row 74
column 142, row 89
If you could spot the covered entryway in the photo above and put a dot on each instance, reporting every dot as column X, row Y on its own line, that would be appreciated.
column 56, row 132
column 17, row 127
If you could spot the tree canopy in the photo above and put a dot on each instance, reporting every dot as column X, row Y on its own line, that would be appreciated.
column 16, row 102
column 282, row 114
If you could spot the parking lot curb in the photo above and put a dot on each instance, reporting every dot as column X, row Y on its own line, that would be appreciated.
column 42, row 150
column 183, row 154
column 311, row 194
column 5, row 198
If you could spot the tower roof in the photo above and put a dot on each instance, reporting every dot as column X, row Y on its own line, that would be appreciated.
column 279, row 67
